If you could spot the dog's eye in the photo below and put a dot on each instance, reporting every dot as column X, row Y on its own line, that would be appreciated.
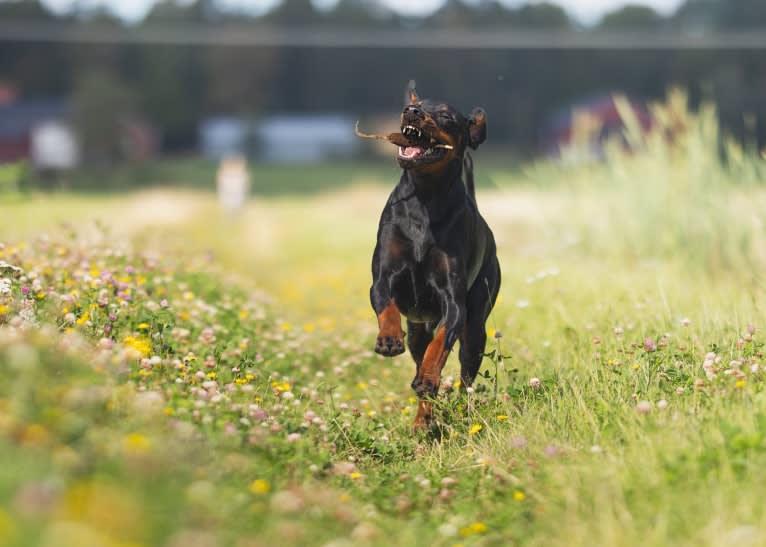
column 446, row 118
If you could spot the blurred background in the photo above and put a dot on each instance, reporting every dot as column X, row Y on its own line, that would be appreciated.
column 107, row 94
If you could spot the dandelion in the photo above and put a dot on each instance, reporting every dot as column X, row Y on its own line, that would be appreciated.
column 475, row 528
column 739, row 384
column 136, row 443
column 355, row 475
column 501, row 417
column 475, row 428
column 142, row 346
column 518, row 495
column 260, row 487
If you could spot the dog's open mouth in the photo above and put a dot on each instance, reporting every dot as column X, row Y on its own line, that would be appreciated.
column 420, row 145
column 414, row 143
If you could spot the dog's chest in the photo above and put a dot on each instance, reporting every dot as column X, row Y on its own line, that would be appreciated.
column 414, row 224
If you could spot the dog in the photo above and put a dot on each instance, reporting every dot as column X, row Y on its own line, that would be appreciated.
column 435, row 260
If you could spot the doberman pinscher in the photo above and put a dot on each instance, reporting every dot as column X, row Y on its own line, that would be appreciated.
column 435, row 259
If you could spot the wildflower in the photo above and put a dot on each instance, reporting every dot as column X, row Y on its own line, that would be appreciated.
column 142, row 346
column 535, row 382
column 355, row 475
column 136, row 443
column 618, row 331
column 685, row 322
column 502, row 417
column 662, row 404
column 644, row 407
column 650, row 345
column 143, row 326
column 475, row 428
column 260, row 487
column 518, row 442
column 491, row 332
column 518, row 495
column 475, row 528
column 740, row 384
column 4, row 309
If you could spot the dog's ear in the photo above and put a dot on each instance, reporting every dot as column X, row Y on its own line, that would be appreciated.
column 411, row 96
column 477, row 127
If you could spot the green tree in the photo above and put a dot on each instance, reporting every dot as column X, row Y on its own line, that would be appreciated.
column 632, row 17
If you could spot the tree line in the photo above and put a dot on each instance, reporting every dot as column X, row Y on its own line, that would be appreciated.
column 174, row 86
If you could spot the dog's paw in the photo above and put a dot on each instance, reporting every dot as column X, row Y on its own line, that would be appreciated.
column 389, row 346
column 424, row 387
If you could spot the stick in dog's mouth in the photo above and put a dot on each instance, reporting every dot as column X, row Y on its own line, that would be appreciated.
column 398, row 139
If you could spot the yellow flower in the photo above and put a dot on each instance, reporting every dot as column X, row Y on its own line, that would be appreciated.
column 285, row 326
column 188, row 295
column 34, row 434
column 136, row 443
column 169, row 411
column 475, row 528
column 475, row 428
column 260, row 487
column 7, row 528
column 280, row 386
column 83, row 318
column 4, row 309
column 502, row 417
column 355, row 475
column 140, row 345
column 212, row 375
column 635, row 366
column 243, row 314
column 309, row 327
column 518, row 495
column 491, row 332
column 143, row 326
column 740, row 384
column 361, row 385
column 456, row 384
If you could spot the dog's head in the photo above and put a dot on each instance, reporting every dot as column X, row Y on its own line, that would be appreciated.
column 437, row 134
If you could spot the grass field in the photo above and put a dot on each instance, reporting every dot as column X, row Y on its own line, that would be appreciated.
column 176, row 378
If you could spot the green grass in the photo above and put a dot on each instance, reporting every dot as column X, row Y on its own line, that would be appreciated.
column 128, row 420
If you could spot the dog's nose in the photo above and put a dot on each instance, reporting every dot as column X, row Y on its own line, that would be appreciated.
column 413, row 111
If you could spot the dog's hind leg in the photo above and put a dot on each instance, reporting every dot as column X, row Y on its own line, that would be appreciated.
column 480, row 300
column 419, row 335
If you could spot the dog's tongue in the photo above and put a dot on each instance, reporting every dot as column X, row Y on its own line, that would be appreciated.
column 413, row 151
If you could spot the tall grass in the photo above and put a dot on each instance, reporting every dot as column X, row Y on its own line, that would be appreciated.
column 682, row 190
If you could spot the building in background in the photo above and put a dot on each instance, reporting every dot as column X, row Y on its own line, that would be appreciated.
column 38, row 130
column 280, row 138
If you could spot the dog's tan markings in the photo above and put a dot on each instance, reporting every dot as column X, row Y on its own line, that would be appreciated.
column 425, row 414
column 429, row 376
column 390, row 341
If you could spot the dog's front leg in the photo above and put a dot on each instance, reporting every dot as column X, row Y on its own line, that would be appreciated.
column 449, row 281
column 390, row 340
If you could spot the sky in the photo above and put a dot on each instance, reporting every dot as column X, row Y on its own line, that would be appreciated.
column 586, row 11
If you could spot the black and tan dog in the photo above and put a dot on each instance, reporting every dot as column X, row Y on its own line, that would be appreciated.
column 435, row 260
